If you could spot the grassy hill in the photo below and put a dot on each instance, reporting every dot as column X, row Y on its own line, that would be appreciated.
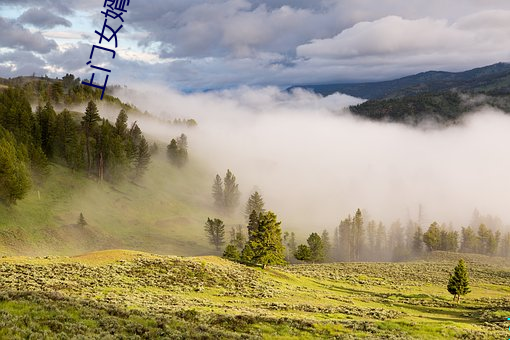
column 165, row 213
column 136, row 295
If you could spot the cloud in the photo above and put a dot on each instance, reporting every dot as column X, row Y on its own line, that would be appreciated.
column 15, row 36
column 21, row 62
column 42, row 18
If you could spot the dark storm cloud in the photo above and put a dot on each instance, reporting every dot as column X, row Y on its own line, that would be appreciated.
column 40, row 17
column 16, row 36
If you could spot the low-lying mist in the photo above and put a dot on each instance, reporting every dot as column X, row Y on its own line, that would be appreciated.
column 315, row 163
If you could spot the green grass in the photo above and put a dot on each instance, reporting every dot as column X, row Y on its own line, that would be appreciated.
column 138, row 295
column 164, row 213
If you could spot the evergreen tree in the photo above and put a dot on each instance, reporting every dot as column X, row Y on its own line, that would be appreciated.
column 121, row 124
column 326, row 243
column 46, row 119
column 232, row 253
column 345, row 231
column 303, row 253
column 14, row 176
column 432, row 237
column 217, row 193
column 371, row 237
column 215, row 231
column 505, row 245
column 247, row 254
column 143, row 158
column 316, row 247
column 177, row 151
column 81, row 221
column 357, row 235
column 231, row 192
column 470, row 243
column 255, row 203
column 67, row 140
column 237, row 237
column 458, row 284
column 89, row 122
column 266, row 241
column 418, row 241
column 381, row 241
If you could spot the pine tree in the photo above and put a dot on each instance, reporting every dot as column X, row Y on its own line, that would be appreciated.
column 143, row 158
column 217, row 193
column 418, row 241
column 121, row 126
column 89, row 122
column 14, row 175
column 357, row 234
column 432, row 237
column 303, row 253
column 266, row 241
column 316, row 247
column 81, row 220
column 255, row 203
column 215, row 231
column 237, row 237
column 458, row 284
column 232, row 253
column 247, row 254
column 231, row 192
column 326, row 243
column 345, row 233
column 470, row 243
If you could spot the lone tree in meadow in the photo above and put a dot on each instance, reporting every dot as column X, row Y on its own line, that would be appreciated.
column 81, row 220
column 458, row 284
column 215, row 230
column 266, row 242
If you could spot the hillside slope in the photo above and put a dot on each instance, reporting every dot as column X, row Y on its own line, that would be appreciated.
column 165, row 213
column 139, row 295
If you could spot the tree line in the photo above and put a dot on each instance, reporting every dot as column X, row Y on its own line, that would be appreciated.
column 357, row 240
column 83, row 142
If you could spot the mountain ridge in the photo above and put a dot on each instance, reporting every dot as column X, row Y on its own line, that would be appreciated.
column 491, row 78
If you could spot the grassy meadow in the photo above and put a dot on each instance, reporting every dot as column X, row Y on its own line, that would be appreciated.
column 135, row 295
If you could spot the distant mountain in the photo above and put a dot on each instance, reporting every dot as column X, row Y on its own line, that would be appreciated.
column 493, row 79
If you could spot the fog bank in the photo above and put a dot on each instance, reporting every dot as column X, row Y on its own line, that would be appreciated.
column 315, row 163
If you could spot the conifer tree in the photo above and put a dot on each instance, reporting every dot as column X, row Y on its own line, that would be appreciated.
column 81, row 220
column 143, row 158
column 458, row 284
column 215, row 231
column 326, row 243
column 217, row 193
column 266, row 241
column 432, row 237
column 231, row 192
column 14, row 175
column 357, row 234
column 418, row 241
column 89, row 122
column 232, row 253
column 303, row 253
column 316, row 247
column 255, row 203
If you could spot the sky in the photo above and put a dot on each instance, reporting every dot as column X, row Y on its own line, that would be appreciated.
column 193, row 45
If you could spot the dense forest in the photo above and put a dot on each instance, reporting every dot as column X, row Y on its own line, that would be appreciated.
column 84, row 142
